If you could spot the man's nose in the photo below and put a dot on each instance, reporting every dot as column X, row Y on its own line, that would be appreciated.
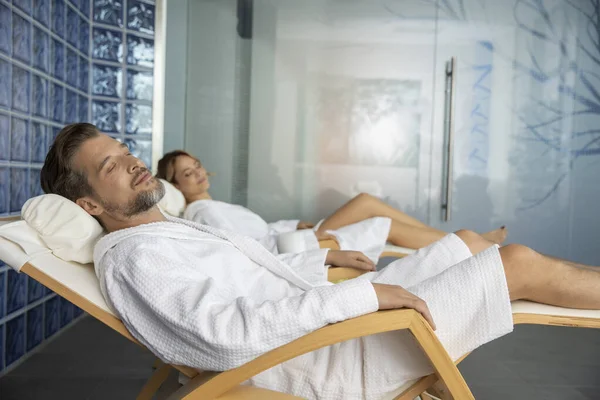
column 135, row 165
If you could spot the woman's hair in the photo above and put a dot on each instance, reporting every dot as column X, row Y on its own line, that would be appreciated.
column 166, row 165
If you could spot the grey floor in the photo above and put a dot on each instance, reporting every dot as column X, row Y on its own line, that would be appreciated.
column 90, row 361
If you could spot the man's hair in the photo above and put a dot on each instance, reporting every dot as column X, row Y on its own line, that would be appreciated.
column 166, row 165
column 58, row 175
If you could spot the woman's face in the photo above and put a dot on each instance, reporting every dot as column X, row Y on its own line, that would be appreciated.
column 190, row 176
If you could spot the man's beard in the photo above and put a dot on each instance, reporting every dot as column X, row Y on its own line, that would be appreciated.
column 143, row 202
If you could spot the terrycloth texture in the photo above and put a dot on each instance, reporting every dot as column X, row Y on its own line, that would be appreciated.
column 196, row 296
column 368, row 236
column 69, row 231
column 173, row 202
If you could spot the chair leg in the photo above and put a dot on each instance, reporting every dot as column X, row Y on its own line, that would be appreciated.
column 155, row 381
column 444, row 367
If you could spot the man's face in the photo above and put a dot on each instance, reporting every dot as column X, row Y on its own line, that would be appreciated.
column 123, row 186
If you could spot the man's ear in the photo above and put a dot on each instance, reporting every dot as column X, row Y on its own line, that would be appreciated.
column 90, row 205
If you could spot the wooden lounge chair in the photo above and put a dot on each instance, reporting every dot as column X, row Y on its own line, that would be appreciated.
column 21, row 248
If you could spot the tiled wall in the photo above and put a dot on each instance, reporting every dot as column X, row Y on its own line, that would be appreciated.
column 122, row 81
column 63, row 61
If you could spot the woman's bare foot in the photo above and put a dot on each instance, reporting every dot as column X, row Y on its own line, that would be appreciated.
column 497, row 236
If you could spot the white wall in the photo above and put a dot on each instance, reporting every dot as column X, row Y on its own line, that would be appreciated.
column 175, row 75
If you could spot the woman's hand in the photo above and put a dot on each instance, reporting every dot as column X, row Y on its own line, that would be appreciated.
column 350, row 259
column 305, row 225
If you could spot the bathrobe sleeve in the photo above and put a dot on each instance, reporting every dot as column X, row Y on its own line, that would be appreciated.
column 191, row 319
column 283, row 226
column 310, row 265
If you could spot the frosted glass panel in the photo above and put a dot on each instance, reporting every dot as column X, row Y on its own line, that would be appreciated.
column 526, row 121
column 341, row 103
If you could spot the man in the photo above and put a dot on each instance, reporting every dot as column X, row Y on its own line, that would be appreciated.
column 214, row 300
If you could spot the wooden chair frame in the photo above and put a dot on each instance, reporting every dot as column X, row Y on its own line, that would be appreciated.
column 227, row 385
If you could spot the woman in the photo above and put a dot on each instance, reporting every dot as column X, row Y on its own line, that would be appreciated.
column 364, row 223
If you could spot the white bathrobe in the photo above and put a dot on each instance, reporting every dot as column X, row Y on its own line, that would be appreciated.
column 368, row 236
column 213, row 300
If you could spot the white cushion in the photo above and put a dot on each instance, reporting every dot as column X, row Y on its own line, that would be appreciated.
column 173, row 202
column 67, row 229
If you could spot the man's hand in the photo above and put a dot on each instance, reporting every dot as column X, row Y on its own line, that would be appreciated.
column 350, row 259
column 391, row 297
column 305, row 225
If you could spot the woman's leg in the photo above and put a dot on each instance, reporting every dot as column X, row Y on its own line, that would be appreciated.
column 536, row 277
column 365, row 206
column 405, row 231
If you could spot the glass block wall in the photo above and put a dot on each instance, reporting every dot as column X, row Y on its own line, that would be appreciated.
column 122, row 75
column 63, row 61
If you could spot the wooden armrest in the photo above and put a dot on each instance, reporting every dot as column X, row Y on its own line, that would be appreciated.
column 210, row 386
column 337, row 274
column 11, row 218
column 329, row 244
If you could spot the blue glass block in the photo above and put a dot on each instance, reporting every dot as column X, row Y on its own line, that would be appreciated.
column 106, row 116
column 57, row 100
column 139, row 85
column 2, row 298
column 140, row 17
column 16, row 291
column 107, row 45
column 52, row 323
column 72, row 27
column 19, row 188
column 41, row 11
column 40, row 96
column 108, row 12
column 76, row 311
column 35, row 326
column 71, row 107
column 141, row 149
column 72, row 61
column 39, row 143
column 35, row 189
column 41, row 49
column 84, row 7
column 15, row 339
column 75, row 3
column 84, row 36
column 84, row 74
column 24, row 5
column 5, row 89
column 35, row 290
column 138, row 119
column 140, row 51
column 58, row 60
column 66, row 312
column 19, row 140
column 4, row 189
column 83, row 109
column 106, row 80
column 20, row 89
column 58, row 17
column 21, row 38
column 4, row 135
column 54, row 133
column 2, row 347
column 5, row 34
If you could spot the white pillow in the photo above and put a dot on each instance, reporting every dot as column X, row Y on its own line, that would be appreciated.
column 67, row 229
column 173, row 202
